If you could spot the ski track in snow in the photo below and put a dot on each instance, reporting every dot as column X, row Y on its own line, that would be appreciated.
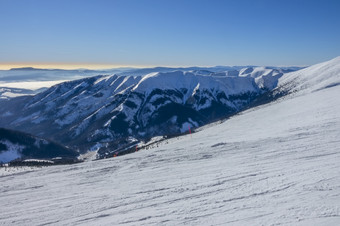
column 276, row 164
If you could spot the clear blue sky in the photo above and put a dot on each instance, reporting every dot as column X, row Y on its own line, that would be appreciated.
column 169, row 32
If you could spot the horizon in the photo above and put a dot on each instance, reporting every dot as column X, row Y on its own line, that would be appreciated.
column 126, row 33
column 112, row 66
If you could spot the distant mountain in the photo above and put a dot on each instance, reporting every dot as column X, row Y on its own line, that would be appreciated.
column 210, row 70
column 8, row 93
column 37, row 74
column 25, row 69
column 34, row 80
column 111, row 112
column 205, row 70
column 15, row 144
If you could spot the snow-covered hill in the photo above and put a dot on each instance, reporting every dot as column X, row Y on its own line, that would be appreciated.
column 317, row 77
column 110, row 111
column 276, row 164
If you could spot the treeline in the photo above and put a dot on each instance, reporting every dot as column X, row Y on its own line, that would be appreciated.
column 35, row 147
column 41, row 162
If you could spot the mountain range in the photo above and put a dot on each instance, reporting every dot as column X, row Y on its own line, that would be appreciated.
column 107, row 113
column 112, row 113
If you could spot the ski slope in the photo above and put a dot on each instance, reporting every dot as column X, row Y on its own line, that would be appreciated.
column 276, row 164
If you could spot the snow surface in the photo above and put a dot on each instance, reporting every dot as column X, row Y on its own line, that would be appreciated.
column 7, row 171
column 275, row 164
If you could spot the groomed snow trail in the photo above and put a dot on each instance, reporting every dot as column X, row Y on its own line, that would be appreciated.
column 276, row 164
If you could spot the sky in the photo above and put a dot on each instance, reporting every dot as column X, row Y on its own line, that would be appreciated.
column 142, row 33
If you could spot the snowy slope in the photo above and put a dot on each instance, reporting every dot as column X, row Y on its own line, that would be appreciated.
column 276, row 164
column 188, row 80
column 316, row 77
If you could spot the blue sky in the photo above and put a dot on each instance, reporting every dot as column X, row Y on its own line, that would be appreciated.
column 168, row 32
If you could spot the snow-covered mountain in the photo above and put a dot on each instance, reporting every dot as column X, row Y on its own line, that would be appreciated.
column 34, row 80
column 111, row 111
column 15, row 144
column 276, row 164
column 317, row 77
column 7, row 93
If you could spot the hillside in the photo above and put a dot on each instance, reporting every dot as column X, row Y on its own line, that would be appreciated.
column 15, row 144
